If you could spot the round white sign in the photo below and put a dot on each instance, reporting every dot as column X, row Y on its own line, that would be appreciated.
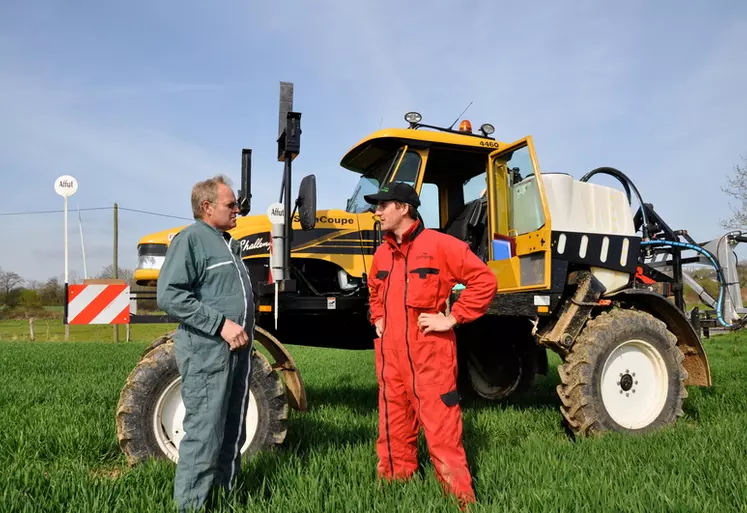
column 275, row 212
column 65, row 186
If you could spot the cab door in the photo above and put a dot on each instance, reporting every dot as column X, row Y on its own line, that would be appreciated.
column 518, row 219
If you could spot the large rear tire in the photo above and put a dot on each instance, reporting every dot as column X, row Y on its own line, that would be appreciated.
column 497, row 358
column 623, row 374
column 150, row 410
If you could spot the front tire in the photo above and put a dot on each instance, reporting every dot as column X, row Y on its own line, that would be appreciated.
column 623, row 374
column 150, row 410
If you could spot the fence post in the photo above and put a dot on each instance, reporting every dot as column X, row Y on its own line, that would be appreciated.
column 31, row 328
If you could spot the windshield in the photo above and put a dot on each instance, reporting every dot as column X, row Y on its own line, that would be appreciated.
column 370, row 182
column 381, row 172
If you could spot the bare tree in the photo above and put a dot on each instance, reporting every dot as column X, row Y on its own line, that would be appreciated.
column 122, row 273
column 9, row 281
column 736, row 187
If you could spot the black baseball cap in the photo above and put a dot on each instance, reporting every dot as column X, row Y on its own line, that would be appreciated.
column 396, row 191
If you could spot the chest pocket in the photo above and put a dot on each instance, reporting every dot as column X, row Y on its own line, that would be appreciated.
column 423, row 287
column 220, row 275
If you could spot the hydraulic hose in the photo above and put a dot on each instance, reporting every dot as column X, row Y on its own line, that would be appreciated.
column 719, row 275
column 628, row 184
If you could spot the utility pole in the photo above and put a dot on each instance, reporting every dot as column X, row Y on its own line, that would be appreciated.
column 115, row 267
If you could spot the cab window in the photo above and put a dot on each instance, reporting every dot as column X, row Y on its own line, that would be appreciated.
column 408, row 169
column 429, row 206
column 475, row 187
column 525, row 212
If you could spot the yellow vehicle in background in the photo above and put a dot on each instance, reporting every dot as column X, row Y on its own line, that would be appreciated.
column 570, row 257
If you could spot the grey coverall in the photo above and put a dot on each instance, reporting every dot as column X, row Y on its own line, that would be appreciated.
column 202, row 282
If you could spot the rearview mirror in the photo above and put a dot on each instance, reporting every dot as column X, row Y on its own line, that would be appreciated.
column 306, row 202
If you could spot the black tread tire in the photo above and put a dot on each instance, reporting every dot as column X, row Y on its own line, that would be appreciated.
column 509, row 366
column 527, row 371
column 582, row 406
column 157, row 369
column 163, row 339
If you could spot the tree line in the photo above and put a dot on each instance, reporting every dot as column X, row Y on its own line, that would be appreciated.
column 21, row 298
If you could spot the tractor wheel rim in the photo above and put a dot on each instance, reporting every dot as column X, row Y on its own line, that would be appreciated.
column 634, row 384
column 168, row 417
column 167, row 420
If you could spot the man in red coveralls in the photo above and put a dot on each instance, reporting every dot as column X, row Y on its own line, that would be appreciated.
column 413, row 273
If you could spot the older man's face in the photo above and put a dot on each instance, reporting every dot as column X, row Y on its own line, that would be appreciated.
column 222, row 214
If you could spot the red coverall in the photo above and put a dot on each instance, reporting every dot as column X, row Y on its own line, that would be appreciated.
column 417, row 372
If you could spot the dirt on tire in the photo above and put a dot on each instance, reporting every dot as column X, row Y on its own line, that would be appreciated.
column 157, row 370
column 580, row 393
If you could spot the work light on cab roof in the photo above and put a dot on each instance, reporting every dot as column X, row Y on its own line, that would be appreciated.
column 487, row 129
column 465, row 127
column 413, row 118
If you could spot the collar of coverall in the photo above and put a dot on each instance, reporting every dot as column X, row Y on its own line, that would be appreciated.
column 225, row 235
column 407, row 237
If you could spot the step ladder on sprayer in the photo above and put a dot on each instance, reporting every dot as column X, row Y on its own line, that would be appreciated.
column 728, row 311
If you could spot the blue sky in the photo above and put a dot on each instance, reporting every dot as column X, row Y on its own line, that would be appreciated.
column 139, row 100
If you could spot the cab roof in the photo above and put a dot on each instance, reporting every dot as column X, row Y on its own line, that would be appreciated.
column 372, row 147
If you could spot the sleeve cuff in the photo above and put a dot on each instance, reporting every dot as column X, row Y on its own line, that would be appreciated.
column 457, row 317
column 220, row 325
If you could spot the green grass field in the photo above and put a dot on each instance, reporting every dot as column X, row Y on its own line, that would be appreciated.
column 52, row 330
column 58, row 449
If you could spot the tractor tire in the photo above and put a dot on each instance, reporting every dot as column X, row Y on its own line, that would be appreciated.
column 623, row 374
column 498, row 379
column 150, row 410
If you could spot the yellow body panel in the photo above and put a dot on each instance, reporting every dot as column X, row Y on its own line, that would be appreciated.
column 427, row 137
column 330, row 225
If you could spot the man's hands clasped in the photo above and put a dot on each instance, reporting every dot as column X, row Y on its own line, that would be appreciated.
column 234, row 335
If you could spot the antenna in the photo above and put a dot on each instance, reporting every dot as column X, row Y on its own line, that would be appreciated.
column 460, row 115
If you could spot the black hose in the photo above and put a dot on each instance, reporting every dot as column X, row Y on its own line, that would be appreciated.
column 603, row 170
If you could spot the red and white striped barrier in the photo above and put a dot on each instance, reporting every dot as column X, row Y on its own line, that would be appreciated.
column 98, row 303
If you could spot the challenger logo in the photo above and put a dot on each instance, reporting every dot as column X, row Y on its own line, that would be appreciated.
column 255, row 245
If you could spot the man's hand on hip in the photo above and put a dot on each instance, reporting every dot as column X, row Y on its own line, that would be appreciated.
column 435, row 322
column 234, row 335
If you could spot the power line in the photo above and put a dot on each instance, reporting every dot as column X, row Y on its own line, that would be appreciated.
column 33, row 212
column 154, row 213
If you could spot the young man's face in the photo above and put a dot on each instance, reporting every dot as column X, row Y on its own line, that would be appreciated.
column 390, row 214
column 222, row 214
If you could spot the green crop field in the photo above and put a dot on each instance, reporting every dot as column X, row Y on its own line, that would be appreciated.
column 58, row 449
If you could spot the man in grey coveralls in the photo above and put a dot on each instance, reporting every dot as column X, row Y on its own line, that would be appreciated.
column 205, row 285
